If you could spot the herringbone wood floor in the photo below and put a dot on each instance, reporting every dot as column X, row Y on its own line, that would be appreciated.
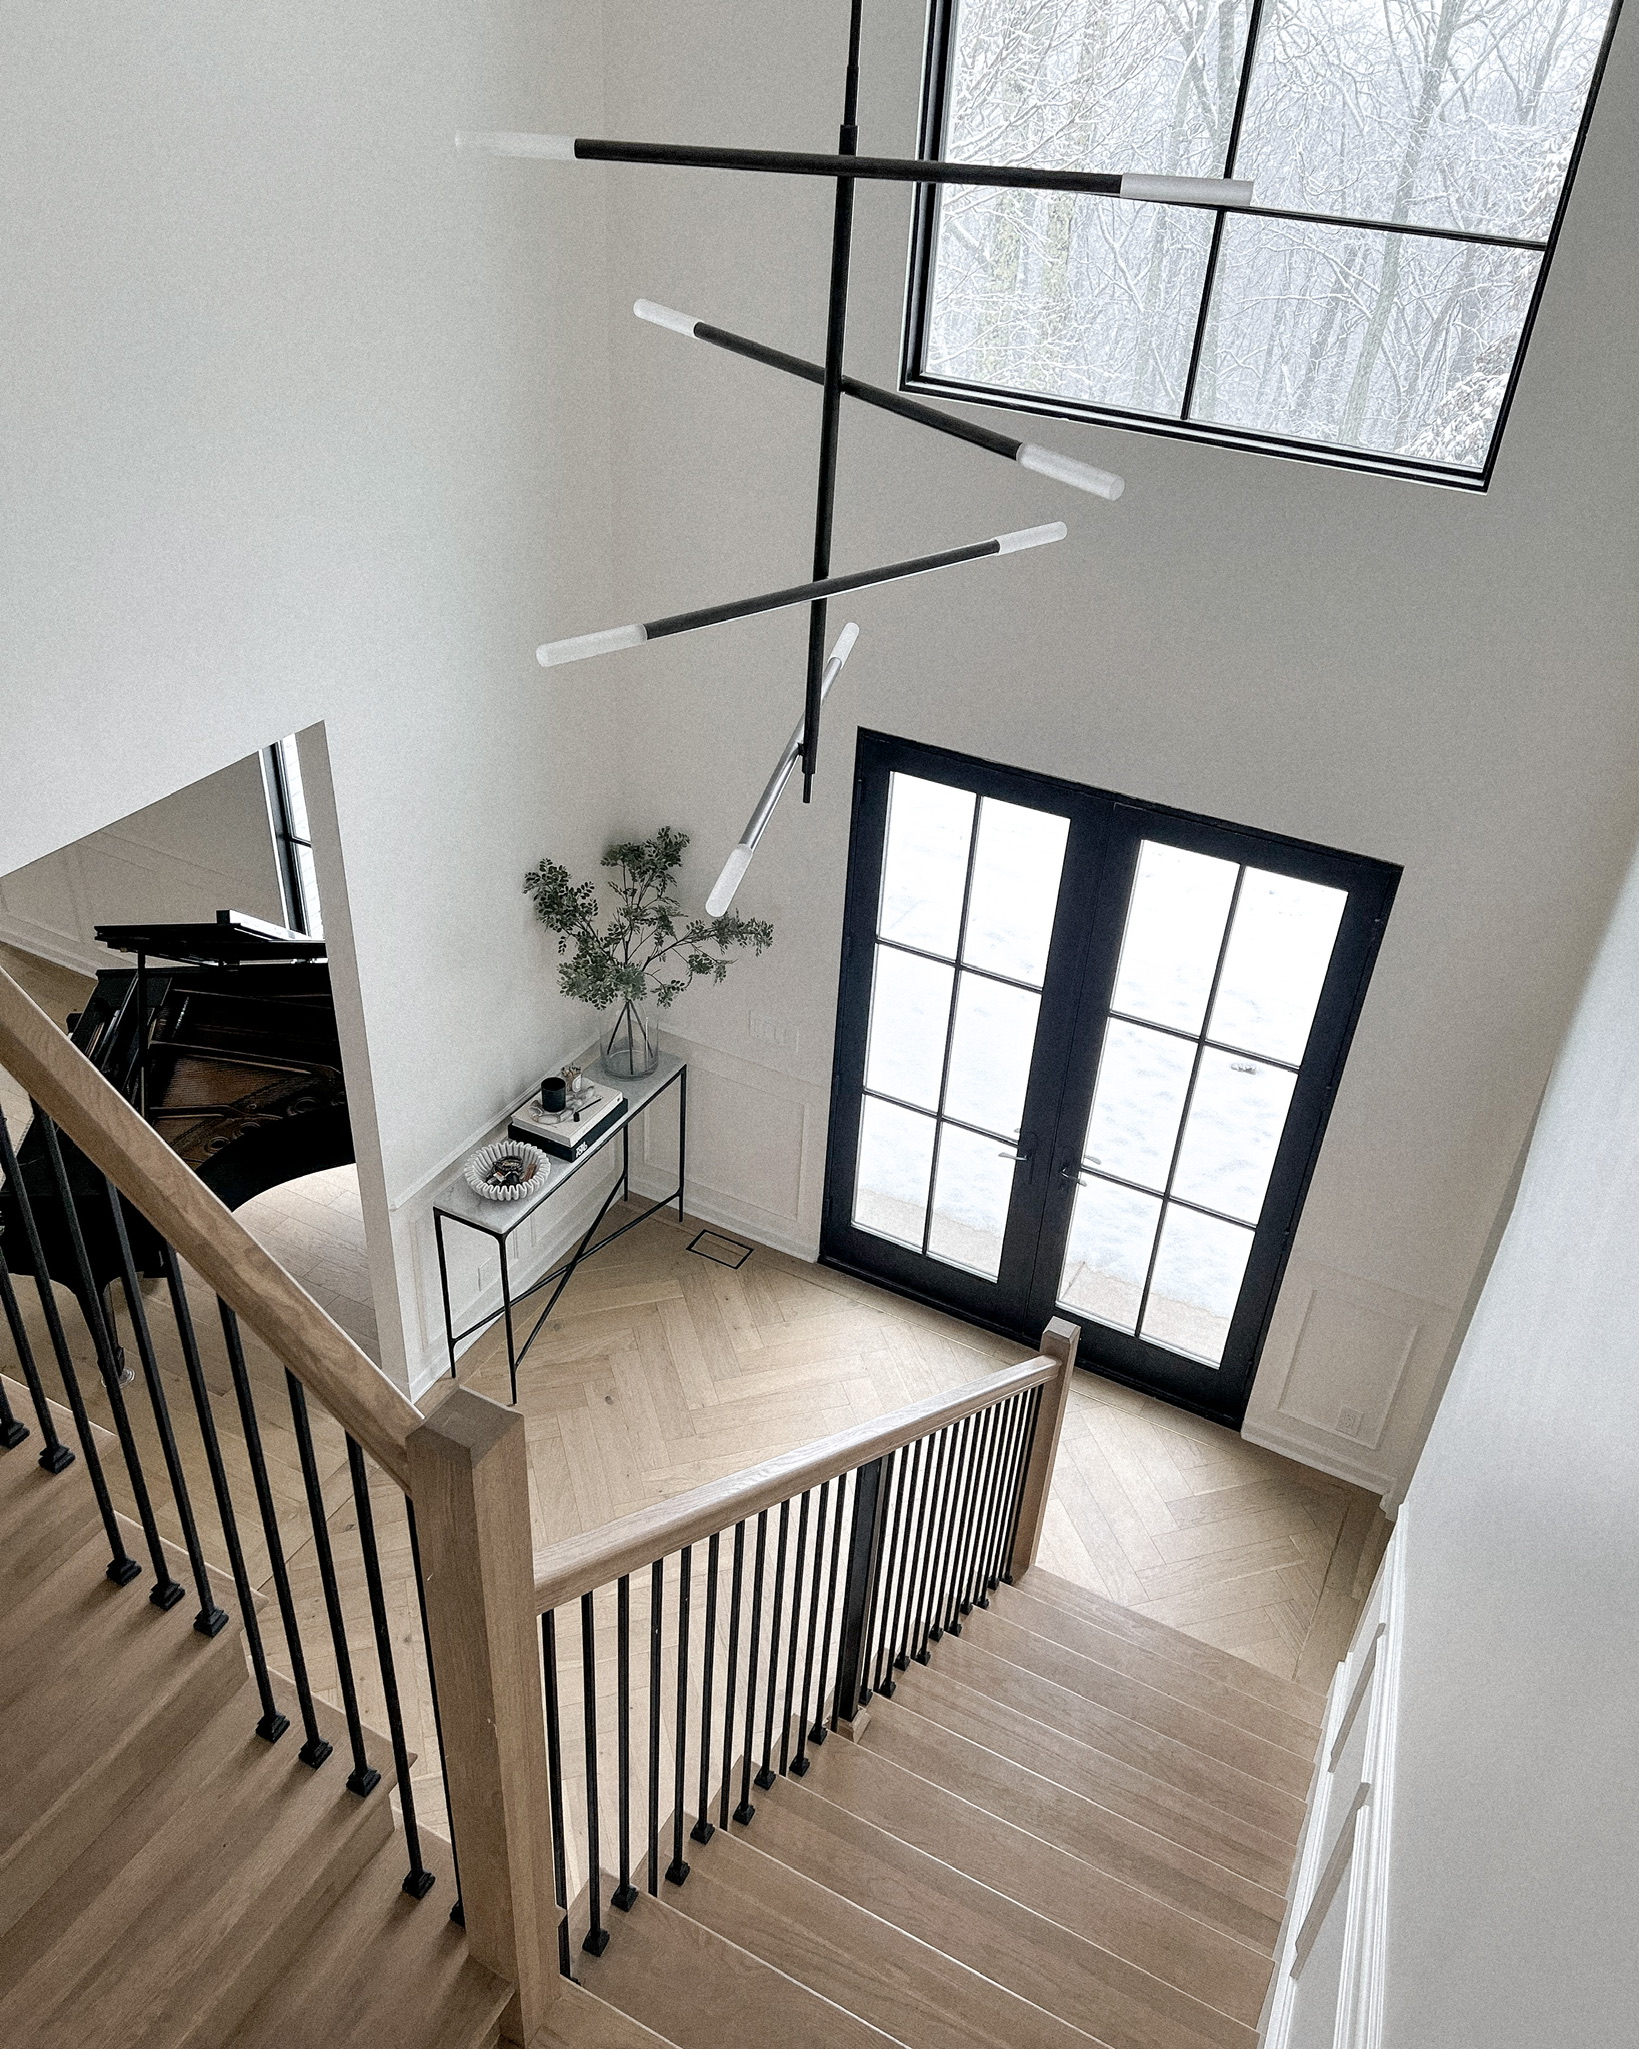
column 662, row 1369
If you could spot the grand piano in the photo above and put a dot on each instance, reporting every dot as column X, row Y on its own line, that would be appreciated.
column 224, row 1036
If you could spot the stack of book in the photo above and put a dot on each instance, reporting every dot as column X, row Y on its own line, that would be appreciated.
column 567, row 1133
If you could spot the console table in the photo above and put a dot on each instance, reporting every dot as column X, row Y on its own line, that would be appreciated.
column 457, row 1204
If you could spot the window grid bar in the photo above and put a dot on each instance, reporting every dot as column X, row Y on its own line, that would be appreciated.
column 1161, row 1196
column 1243, row 87
column 1189, row 1098
column 950, row 1018
column 1204, row 1037
column 961, row 966
column 922, row 1110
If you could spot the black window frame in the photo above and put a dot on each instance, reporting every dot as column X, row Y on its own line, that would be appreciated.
column 918, row 299
column 1100, row 858
column 299, row 913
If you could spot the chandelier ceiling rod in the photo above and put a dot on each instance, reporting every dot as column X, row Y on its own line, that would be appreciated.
column 614, row 638
column 1027, row 454
column 1133, row 185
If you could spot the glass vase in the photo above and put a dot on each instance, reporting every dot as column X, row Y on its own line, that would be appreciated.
column 631, row 1046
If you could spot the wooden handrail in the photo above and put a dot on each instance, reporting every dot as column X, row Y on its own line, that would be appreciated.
column 575, row 1565
column 105, row 1127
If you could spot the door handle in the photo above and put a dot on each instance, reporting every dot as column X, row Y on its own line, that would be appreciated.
column 1020, row 1158
column 1071, row 1172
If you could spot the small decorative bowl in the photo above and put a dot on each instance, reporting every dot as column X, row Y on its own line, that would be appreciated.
column 505, row 1172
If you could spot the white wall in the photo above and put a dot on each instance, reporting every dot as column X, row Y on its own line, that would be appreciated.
column 305, row 423
column 1431, row 677
column 204, row 849
column 1512, row 1848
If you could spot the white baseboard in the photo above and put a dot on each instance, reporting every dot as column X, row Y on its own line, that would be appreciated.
column 713, row 1207
column 1312, row 1450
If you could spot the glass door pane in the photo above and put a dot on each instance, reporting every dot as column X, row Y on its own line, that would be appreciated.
column 1218, row 960
column 969, row 891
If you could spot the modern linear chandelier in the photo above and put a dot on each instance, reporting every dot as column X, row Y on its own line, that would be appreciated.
column 844, row 168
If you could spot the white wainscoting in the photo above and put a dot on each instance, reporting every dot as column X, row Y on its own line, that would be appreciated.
column 1345, row 1374
column 1327, row 1991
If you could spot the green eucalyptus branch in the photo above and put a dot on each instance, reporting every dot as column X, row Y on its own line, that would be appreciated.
column 602, row 964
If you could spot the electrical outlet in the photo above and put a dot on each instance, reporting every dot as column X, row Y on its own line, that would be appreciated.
column 1348, row 1422
column 773, row 1031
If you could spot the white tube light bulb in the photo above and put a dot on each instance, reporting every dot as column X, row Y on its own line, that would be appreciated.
column 1064, row 469
column 557, row 149
column 666, row 316
column 1031, row 537
column 1187, row 191
column 739, row 855
column 583, row 645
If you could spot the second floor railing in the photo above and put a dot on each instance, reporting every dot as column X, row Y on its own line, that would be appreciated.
column 695, row 1652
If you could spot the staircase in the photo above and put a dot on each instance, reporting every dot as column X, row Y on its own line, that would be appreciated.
column 167, row 1879
column 1073, row 1825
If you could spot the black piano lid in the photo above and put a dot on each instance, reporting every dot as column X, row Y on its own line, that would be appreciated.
column 234, row 939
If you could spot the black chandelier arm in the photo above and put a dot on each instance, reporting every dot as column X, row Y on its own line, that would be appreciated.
column 836, row 327
column 613, row 638
column 1027, row 454
column 1136, row 185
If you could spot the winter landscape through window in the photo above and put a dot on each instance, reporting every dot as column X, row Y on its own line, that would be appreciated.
column 1409, row 158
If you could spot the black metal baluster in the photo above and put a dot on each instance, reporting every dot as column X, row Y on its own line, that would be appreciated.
column 765, row 1777
column 978, row 1591
column 363, row 1778
column 211, row 1620
column 957, row 1487
column 55, row 1456
column 882, row 1680
column 820, row 1727
column 797, row 1564
column 1020, row 1471
column 657, row 1589
column 554, row 1784
column 12, row 1433
column 457, row 1912
column 624, row 1895
column 418, row 1880
column 799, row 1764
column 875, row 1613
column 1013, row 1416
column 165, row 1592
column 315, row 1749
column 272, row 1724
column 596, row 1939
column 864, row 1559
column 678, row 1869
column 702, row 1830
column 735, row 1589
column 916, row 1508
column 745, row 1810
column 917, row 1636
column 972, row 1515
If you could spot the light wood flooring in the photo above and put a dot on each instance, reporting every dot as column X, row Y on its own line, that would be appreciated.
column 662, row 1369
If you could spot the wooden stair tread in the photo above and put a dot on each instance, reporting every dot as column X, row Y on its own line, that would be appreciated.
column 1253, row 1802
column 387, row 1972
column 910, row 1764
column 580, row 2020
column 922, row 1997
column 1106, row 1781
column 1167, row 1670
column 43, row 1516
column 1145, row 1633
column 1191, row 1986
column 247, row 1848
column 698, row 1990
column 117, row 1688
column 1138, row 1700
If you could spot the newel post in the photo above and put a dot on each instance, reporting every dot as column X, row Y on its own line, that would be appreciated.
column 470, row 1483
column 1058, row 1341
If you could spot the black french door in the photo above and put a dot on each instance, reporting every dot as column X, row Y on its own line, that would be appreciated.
column 1086, row 1049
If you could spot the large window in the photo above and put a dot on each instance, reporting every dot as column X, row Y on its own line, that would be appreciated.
column 1410, row 161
